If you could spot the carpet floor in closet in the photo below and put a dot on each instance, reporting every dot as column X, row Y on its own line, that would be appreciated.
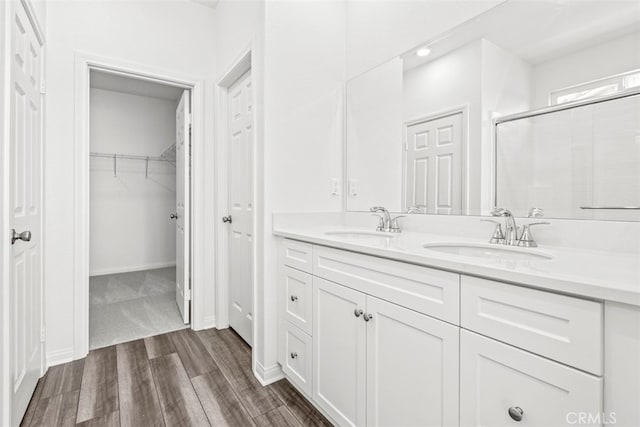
column 127, row 306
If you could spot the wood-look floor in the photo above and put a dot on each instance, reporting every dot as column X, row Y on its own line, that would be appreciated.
column 182, row 378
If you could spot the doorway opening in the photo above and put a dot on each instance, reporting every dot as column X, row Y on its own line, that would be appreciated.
column 139, row 216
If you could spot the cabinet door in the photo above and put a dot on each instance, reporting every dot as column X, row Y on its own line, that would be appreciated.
column 497, row 381
column 412, row 368
column 339, row 340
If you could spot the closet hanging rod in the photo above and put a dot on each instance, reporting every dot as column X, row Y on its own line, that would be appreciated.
column 128, row 157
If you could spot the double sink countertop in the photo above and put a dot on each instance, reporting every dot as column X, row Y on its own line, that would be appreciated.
column 592, row 274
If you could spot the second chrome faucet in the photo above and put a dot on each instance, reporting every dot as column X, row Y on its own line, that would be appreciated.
column 512, row 235
column 386, row 222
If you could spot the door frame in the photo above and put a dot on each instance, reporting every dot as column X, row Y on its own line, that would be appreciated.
column 84, row 63
column 462, row 109
column 238, row 68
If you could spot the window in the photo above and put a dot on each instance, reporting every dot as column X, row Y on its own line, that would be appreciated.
column 596, row 88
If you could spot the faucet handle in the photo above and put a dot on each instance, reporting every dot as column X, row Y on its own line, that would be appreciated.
column 380, row 226
column 498, row 234
column 535, row 213
column 526, row 238
column 393, row 226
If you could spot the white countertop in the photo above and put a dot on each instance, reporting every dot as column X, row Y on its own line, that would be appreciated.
column 587, row 273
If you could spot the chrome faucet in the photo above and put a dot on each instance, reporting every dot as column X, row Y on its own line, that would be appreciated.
column 511, row 235
column 386, row 223
column 510, row 227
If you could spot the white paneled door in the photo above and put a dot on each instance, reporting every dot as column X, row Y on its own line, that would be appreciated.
column 25, row 211
column 183, row 156
column 240, row 219
column 433, row 169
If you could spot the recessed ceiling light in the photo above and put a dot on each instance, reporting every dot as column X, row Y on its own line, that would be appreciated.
column 423, row 51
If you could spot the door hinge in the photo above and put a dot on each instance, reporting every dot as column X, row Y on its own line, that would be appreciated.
column 187, row 294
column 43, row 334
column 43, row 87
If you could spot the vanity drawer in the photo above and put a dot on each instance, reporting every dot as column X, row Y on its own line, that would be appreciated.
column 562, row 328
column 298, row 298
column 297, row 357
column 297, row 254
column 432, row 292
column 496, row 378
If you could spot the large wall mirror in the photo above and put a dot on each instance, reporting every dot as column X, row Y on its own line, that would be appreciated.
column 531, row 104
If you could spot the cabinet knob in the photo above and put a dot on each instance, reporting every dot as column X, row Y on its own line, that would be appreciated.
column 367, row 317
column 294, row 355
column 294, row 298
column 357, row 312
column 516, row 413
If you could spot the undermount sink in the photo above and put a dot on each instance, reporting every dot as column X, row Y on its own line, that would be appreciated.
column 488, row 251
column 351, row 234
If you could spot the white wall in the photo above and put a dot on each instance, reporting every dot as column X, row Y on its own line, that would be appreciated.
column 130, row 228
column 380, row 30
column 602, row 60
column 176, row 37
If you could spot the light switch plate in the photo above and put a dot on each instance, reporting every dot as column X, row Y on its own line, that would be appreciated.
column 353, row 189
column 335, row 186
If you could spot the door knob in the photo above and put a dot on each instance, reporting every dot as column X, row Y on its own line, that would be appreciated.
column 367, row 317
column 516, row 413
column 227, row 219
column 174, row 216
column 357, row 312
column 25, row 236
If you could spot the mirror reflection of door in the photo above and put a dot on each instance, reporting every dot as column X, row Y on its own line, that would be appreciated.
column 433, row 165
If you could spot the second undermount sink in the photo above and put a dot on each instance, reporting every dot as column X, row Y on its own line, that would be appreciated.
column 488, row 251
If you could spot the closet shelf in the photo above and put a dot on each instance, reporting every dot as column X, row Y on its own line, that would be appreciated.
column 115, row 157
column 128, row 157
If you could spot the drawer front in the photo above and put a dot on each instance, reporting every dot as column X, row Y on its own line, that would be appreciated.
column 298, row 357
column 562, row 328
column 495, row 377
column 298, row 298
column 297, row 254
column 432, row 292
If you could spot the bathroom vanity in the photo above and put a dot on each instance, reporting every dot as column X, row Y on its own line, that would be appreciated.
column 376, row 329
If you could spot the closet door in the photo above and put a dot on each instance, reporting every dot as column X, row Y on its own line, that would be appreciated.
column 183, row 136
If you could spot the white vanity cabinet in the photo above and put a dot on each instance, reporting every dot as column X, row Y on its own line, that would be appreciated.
column 379, row 364
column 378, row 342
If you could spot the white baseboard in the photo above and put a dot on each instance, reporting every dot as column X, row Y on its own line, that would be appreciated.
column 59, row 357
column 209, row 322
column 116, row 270
column 268, row 375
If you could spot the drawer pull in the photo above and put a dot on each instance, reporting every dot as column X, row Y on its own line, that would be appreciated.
column 357, row 312
column 294, row 355
column 516, row 413
column 294, row 298
column 367, row 317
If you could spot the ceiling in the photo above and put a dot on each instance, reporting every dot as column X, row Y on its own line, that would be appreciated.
column 134, row 86
column 538, row 31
